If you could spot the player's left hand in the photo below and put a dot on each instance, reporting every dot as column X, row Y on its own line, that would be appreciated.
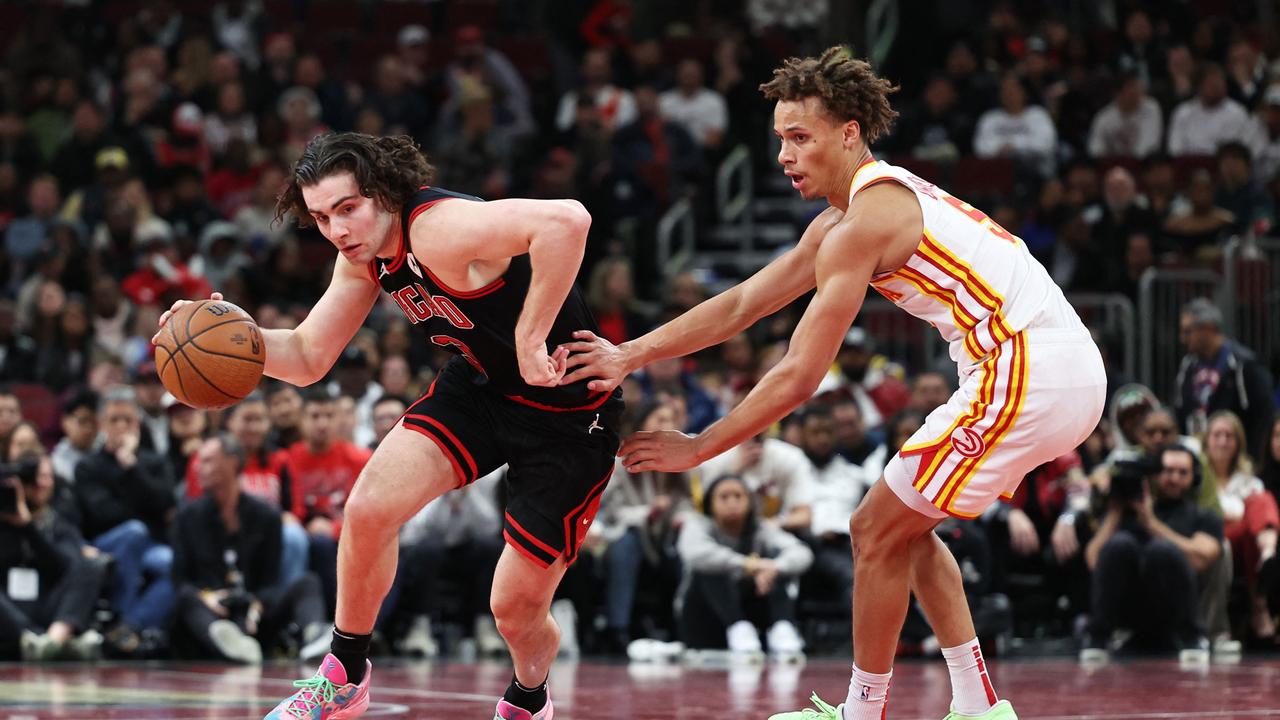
column 540, row 369
column 660, row 450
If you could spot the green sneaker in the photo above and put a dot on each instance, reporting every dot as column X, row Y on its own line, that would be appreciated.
column 824, row 712
column 1000, row 711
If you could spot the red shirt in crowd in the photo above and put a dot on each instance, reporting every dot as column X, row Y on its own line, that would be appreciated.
column 322, row 482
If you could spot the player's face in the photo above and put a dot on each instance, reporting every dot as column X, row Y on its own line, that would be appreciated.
column 813, row 147
column 357, row 225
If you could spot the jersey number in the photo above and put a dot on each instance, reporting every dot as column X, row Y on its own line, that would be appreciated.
column 980, row 217
column 445, row 341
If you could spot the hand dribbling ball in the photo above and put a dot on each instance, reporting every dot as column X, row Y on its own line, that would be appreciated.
column 210, row 354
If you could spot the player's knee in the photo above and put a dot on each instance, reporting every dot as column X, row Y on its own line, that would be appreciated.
column 871, row 539
column 367, row 512
column 514, row 613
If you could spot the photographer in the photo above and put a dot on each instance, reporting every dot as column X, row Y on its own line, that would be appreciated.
column 1146, row 554
column 52, row 582
column 227, row 551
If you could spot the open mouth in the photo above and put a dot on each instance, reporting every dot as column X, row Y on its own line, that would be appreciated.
column 796, row 180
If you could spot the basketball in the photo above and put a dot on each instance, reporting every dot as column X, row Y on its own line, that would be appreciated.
column 210, row 354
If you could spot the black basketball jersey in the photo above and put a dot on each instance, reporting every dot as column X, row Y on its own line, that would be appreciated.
column 479, row 325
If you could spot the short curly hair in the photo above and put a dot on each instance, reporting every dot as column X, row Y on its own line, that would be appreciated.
column 847, row 87
column 387, row 169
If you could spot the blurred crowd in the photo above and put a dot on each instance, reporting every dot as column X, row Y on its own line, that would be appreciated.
column 141, row 149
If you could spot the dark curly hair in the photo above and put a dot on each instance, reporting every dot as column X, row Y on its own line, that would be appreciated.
column 387, row 169
column 847, row 87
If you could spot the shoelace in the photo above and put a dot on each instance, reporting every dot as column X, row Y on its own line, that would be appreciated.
column 825, row 711
column 314, row 693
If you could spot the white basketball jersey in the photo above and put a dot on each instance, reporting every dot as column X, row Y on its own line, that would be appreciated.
column 969, row 278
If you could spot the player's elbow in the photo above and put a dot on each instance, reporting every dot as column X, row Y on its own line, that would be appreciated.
column 574, row 218
column 800, row 381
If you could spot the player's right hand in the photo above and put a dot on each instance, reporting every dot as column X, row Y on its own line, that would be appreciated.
column 217, row 296
column 595, row 357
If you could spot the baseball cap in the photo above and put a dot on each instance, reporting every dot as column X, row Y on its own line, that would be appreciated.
column 1272, row 96
column 857, row 337
column 413, row 35
column 188, row 119
column 111, row 157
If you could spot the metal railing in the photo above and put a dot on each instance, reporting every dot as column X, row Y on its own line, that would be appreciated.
column 1113, row 315
column 672, row 258
column 734, row 191
column 1161, row 295
column 1251, row 295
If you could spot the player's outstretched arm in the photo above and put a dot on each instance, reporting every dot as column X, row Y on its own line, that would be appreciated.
column 304, row 355
column 553, row 233
column 711, row 322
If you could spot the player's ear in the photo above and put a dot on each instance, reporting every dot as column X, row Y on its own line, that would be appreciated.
column 852, row 133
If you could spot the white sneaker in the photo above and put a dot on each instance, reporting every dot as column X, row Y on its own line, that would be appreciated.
column 38, row 647
column 744, row 641
column 418, row 641
column 1226, row 650
column 233, row 644
column 785, row 642
column 87, row 646
column 316, row 639
column 489, row 642
column 563, row 612
column 645, row 650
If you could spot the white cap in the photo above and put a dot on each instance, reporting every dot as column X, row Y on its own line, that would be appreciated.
column 413, row 35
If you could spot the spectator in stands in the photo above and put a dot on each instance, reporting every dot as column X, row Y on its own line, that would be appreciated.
column 1151, row 543
column 701, row 111
column 1200, row 125
column 221, row 255
column 1251, row 519
column 300, row 111
column 79, row 431
column 475, row 63
column 24, row 439
column 838, row 487
column 405, row 111
column 612, row 299
column 1218, row 373
column 776, row 472
column 46, row 605
column 332, row 96
column 353, row 377
column 1018, row 131
column 17, row 351
column 256, row 219
column 25, row 236
column 387, row 412
column 617, row 106
column 474, row 157
column 669, row 378
column 324, row 469
column 226, row 567
column 736, row 571
column 413, row 44
column 853, row 441
column 1250, row 205
column 1246, row 73
column 396, row 378
column 1130, row 126
column 654, row 154
column 187, row 429
column 637, row 523
column 1270, row 466
column 125, row 497
column 1179, row 84
column 284, row 410
column 1267, row 137
column 1196, row 230
column 1159, row 185
column 929, row 390
column 1120, row 214
column 1140, row 54
column 458, row 537
column 938, row 128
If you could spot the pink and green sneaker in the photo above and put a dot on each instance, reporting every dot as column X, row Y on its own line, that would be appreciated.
column 507, row 711
column 326, row 696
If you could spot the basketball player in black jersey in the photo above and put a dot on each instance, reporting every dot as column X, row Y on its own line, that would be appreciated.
column 492, row 282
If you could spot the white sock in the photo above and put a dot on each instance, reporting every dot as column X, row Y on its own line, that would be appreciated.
column 971, row 689
column 868, row 693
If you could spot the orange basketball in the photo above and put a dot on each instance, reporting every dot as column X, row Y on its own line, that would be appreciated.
column 210, row 354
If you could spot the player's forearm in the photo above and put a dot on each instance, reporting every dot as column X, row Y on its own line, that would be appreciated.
column 287, row 358
column 782, row 390
column 709, row 323
column 555, row 254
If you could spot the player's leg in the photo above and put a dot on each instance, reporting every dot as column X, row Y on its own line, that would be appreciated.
column 521, row 603
column 407, row 471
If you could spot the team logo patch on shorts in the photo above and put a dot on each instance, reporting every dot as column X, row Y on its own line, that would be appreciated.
column 968, row 442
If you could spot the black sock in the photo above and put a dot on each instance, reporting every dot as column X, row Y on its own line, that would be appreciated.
column 522, row 697
column 352, row 651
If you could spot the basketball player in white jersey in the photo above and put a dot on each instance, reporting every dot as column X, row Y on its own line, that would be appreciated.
column 1031, row 379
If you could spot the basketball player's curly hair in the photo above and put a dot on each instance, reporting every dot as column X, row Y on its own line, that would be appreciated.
column 847, row 87
column 387, row 169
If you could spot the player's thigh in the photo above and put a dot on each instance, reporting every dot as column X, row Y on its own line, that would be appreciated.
column 407, row 471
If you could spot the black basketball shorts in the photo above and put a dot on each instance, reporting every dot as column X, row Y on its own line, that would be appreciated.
column 558, row 461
